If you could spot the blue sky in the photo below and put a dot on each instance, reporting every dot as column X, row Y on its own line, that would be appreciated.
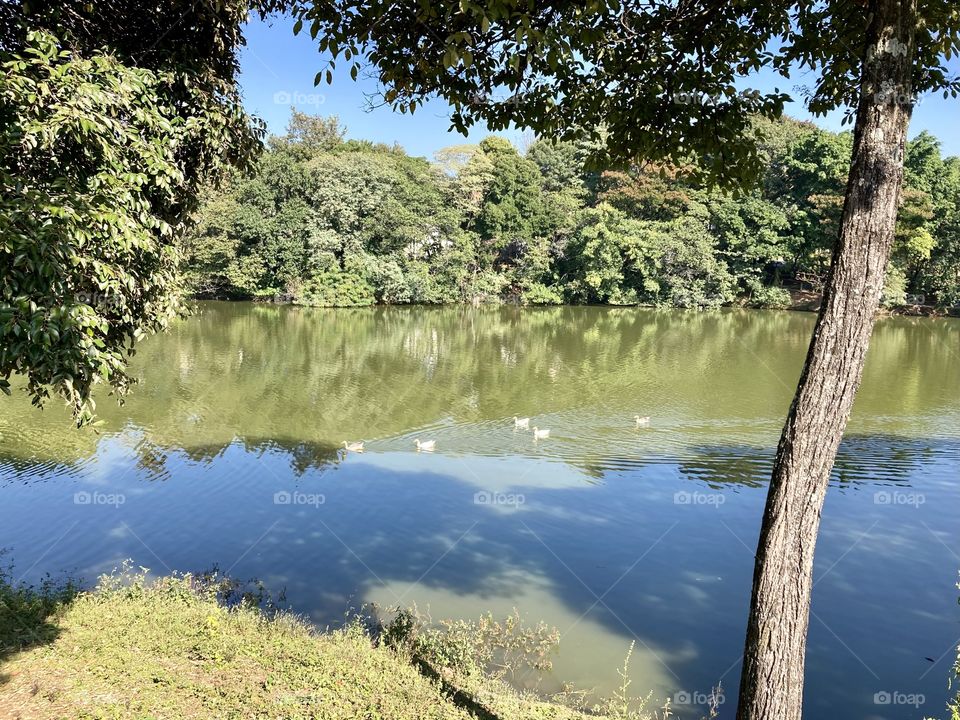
column 277, row 71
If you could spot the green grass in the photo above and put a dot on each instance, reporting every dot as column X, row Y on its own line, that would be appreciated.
column 193, row 647
column 171, row 648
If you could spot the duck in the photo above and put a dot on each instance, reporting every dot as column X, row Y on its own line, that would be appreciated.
column 428, row 445
column 519, row 422
column 353, row 446
column 642, row 421
column 539, row 434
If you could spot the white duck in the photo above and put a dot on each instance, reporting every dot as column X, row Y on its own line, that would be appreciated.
column 539, row 434
column 642, row 421
column 427, row 445
column 353, row 446
column 519, row 422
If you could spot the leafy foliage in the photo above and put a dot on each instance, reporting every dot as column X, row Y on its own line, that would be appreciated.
column 334, row 222
column 485, row 647
column 107, row 134
column 661, row 81
column 331, row 223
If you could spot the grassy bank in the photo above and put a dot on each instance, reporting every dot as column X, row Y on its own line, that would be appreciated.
column 172, row 648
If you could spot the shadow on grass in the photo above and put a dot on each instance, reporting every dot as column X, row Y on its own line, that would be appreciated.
column 28, row 615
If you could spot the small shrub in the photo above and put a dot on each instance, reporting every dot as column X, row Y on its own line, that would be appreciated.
column 338, row 289
column 540, row 294
column 391, row 287
column 894, row 287
column 771, row 297
column 484, row 646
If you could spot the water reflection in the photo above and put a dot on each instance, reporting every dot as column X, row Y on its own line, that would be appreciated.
column 605, row 530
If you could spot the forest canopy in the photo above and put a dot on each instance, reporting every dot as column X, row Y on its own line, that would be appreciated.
column 334, row 222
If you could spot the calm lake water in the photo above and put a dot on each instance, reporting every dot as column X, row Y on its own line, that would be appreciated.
column 227, row 454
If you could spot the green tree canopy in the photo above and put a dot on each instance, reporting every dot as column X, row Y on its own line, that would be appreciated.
column 345, row 222
column 113, row 115
column 654, row 80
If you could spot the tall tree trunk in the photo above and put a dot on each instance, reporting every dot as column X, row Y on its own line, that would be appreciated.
column 771, row 685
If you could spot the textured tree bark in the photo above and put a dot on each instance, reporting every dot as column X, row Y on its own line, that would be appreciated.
column 771, row 684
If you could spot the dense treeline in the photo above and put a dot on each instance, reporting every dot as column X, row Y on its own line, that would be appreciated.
column 336, row 222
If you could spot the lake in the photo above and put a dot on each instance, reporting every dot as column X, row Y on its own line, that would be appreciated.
column 229, row 453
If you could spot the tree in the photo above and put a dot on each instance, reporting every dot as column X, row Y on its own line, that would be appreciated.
column 815, row 171
column 661, row 78
column 512, row 208
column 328, row 222
column 933, row 240
column 309, row 134
column 564, row 166
column 113, row 115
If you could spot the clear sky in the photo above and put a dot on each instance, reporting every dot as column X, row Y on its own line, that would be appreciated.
column 277, row 71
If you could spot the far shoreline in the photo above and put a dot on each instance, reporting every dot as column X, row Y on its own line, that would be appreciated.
column 801, row 301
